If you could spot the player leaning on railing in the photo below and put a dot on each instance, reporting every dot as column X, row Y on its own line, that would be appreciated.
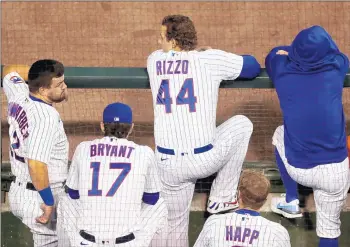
column 310, row 147
column 39, row 145
column 185, row 86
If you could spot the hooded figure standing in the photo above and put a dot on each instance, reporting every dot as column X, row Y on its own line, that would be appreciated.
column 311, row 147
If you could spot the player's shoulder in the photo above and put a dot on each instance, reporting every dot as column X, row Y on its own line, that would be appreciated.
column 275, row 227
column 216, row 54
column 85, row 145
column 156, row 54
column 42, row 112
column 101, row 140
column 216, row 219
column 41, row 108
column 145, row 149
column 211, row 52
column 214, row 222
column 141, row 150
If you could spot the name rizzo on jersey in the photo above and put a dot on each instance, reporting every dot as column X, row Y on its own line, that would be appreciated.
column 185, row 87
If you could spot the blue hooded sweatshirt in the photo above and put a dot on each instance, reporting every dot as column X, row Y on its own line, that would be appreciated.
column 309, row 83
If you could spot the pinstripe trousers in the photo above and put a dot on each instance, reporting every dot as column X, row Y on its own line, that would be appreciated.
column 25, row 205
column 153, row 222
column 179, row 174
column 330, row 183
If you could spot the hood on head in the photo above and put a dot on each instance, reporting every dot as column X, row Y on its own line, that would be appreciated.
column 313, row 48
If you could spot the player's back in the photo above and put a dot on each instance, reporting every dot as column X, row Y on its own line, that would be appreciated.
column 112, row 175
column 309, row 84
column 243, row 228
column 36, row 132
column 185, row 88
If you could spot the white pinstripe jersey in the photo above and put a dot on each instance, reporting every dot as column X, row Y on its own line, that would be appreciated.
column 36, row 132
column 111, row 175
column 185, row 87
column 242, row 230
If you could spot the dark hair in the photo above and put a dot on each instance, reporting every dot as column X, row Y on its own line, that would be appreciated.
column 182, row 30
column 42, row 72
column 119, row 130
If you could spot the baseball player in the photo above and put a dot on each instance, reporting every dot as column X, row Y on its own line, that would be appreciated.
column 185, row 86
column 117, row 185
column 39, row 146
column 245, row 226
column 310, row 147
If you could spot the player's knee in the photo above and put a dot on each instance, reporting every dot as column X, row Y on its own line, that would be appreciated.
column 245, row 122
column 279, row 132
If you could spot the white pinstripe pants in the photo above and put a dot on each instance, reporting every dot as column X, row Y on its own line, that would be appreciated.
column 179, row 174
column 330, row 183
column 25, row 204
column 153, row 221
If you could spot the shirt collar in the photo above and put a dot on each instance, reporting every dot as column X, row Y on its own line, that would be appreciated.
column 38, row 100
column 247, row 211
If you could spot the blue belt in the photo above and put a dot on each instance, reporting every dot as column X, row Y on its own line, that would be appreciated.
column 196, row 150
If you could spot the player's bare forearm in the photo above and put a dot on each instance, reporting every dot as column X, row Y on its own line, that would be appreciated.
column 39, row 174
column 21, row 69
column 40, row 179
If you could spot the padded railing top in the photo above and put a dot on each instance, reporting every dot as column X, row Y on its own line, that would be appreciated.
column 137, row 78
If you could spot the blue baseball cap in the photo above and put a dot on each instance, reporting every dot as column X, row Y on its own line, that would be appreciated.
column 117, row 113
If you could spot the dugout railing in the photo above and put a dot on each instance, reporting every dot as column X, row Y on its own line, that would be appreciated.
column 137, row 78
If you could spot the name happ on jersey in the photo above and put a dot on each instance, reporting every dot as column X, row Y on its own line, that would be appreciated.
column 239, row 234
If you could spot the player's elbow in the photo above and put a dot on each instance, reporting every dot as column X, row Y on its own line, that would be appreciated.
column 39, row 174
column 22, row 70
column 36, row 167
column 150, row 198
column 273, row 53
column 251, row 67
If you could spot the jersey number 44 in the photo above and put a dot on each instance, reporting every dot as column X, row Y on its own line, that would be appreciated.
column 185, row 96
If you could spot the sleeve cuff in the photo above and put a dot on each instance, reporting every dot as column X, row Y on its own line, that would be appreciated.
column 74, row 194
column 150, row 198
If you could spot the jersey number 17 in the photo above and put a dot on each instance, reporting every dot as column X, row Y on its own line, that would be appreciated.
column 185, row 96
column 95, row 166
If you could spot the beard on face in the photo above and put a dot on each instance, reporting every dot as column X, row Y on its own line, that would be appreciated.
column 57, row 99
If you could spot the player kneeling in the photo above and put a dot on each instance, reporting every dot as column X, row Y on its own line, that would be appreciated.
column 117, row 188
column 245, row 226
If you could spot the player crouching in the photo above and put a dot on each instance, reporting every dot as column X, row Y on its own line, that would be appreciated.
column 245, row 226
column 117, row 188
